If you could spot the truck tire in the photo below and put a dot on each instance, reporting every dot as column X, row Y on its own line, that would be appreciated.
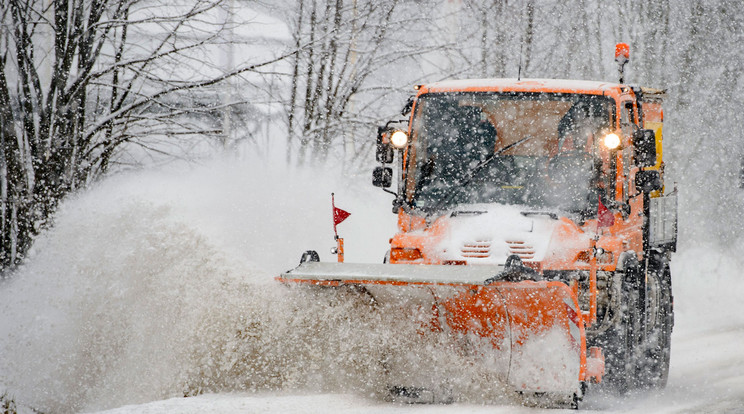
column 621, row 342
column 653, row 371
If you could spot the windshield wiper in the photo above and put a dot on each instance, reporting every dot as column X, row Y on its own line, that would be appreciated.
column 472, row 173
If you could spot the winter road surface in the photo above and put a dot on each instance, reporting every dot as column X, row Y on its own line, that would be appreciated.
column 706, row 375
column 158, row 284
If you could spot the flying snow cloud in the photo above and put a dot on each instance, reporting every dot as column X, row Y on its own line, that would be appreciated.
column 158, row 284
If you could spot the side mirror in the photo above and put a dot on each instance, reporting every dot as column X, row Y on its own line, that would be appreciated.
column 384, row 151
column 644, row 141
column 382, row 177
column 648, row 181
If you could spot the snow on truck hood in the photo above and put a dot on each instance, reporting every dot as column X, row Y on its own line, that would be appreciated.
column 488, row 234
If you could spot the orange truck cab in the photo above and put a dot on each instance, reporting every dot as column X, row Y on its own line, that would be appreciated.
column 557, row 181
column 533, row 217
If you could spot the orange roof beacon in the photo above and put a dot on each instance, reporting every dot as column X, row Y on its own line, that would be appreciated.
column 536, row 208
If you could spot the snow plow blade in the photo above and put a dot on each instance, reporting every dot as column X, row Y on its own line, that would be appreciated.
column 534, row 327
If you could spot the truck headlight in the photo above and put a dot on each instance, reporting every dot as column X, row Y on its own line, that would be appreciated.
column 399, row 139
column 611, row 141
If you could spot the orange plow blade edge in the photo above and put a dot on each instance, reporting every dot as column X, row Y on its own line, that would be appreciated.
column 536, row 326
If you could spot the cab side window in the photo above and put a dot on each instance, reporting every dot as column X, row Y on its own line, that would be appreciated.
column 627, row 117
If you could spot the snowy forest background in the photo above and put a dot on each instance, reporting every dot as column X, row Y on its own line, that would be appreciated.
column 94, row 87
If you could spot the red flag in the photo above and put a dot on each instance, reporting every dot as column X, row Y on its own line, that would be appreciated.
column 605, row 218
column 338, row 214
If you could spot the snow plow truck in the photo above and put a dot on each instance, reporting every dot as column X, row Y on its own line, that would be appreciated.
column 532, row 213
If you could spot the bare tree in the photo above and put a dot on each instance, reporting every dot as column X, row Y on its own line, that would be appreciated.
column 346, row 43
column 492, row 33
column 82, row 79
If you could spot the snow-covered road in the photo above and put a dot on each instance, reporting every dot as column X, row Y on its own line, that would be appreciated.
column 137, row 293
column 706, row 374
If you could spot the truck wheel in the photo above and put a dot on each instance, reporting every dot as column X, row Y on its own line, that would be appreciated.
column 621, row 341
column 654, row 368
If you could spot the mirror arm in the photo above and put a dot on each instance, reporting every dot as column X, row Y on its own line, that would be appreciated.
column 390, row 192
column 409, row 105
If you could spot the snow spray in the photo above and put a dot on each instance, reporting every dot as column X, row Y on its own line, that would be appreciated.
column 160, row 284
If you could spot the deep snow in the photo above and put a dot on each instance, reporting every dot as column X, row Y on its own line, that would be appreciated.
column 158, row 284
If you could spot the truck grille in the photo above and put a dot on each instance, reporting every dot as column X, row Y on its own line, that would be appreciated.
column 521, row 249
column 476, row 249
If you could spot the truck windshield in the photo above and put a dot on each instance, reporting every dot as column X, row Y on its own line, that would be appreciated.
column 552, row 162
